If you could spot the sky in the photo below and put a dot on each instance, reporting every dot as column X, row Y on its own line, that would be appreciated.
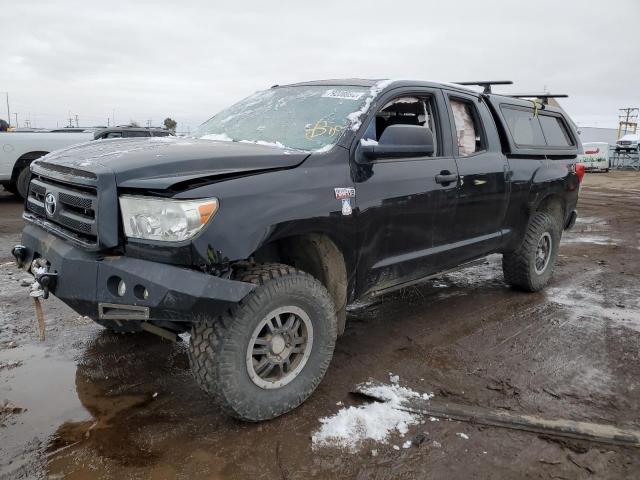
column 146, row 60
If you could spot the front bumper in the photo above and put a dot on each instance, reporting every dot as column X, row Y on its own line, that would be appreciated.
column 87, row 282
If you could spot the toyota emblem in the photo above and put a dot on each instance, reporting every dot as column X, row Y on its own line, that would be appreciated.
column 50, row 204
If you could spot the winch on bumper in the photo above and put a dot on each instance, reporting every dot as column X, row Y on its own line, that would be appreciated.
column 120, row 287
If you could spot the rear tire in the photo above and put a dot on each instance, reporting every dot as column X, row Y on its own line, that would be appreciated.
column 267, row 354
column 531, row 265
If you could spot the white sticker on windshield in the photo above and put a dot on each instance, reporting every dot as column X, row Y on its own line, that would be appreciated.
column 344, row 94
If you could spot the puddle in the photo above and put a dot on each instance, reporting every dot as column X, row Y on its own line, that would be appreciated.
column 45, row 385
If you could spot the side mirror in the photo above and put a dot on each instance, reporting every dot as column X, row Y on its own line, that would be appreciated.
column 401, row 141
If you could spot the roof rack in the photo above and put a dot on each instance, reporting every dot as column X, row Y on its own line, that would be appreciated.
column 486, row 85
column 542, row 96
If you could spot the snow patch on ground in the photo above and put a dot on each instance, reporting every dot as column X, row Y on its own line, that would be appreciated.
column 584, row 303
column 475, row 275
column 375, row 421
column 463, row 435
column 591, row 221
column 595, row 239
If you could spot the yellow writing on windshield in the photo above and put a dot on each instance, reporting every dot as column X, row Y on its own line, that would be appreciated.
column 322, row 127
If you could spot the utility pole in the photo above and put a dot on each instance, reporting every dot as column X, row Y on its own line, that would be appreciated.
column 8, row 109
column 627, row 120
column 16, row 114
column 77, row 124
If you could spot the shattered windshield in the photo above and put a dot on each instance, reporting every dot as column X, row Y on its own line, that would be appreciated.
column 304, row 117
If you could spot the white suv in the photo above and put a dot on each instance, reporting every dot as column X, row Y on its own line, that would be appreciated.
column 628, row 143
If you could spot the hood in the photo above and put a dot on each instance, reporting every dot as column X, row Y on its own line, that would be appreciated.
column 160, row 162
column 630, row 137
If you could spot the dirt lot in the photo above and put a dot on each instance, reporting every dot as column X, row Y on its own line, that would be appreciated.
column 100, row 405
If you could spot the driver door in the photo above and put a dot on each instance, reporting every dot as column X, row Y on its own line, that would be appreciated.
column 405, row 205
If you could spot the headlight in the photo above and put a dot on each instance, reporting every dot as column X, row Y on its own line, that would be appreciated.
column 164, row 218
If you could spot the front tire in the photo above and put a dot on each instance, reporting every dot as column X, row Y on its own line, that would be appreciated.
column 22, row 182
column 531, row 265
column 267, row 354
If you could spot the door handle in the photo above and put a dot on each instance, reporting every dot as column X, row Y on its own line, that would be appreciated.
column 446, row 177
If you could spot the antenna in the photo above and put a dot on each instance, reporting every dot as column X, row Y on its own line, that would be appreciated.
column 486, row 84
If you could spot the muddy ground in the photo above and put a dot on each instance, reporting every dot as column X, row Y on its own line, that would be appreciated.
column 99, row 405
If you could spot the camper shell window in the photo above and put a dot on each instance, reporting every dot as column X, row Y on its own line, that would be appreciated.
column 537, row 131
column 555, row 131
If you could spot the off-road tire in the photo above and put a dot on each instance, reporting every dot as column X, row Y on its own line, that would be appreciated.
column 217, row 349
column 518, row 267
column 22, row 182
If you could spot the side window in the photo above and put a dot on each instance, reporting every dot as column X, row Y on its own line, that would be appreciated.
column 113, row 135
column 524, row 126
column 555, row 131
column 137, row 134
column 405, row 111
column 469, row 133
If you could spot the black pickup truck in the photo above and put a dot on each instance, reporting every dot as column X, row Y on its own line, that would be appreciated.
column 256, row 234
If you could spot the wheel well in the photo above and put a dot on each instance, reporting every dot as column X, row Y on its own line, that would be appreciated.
column 24, row 161
column 319, row 256
column 554, row 205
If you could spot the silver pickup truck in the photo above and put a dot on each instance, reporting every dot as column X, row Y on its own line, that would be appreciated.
column 19, row 149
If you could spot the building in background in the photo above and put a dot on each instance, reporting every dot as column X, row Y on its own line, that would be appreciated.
column 597, row 134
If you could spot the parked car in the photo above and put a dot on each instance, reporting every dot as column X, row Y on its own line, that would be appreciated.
column 131, row 132
column 289, row 206
column 17, row 151
column 595, row 157
column 628, row 143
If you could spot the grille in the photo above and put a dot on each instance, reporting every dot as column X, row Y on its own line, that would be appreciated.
column 72, row 208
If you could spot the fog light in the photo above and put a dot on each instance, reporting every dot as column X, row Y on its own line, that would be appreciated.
column 122, row 288
column 140, row 292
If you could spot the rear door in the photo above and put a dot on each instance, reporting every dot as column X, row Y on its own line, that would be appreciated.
column 404, row 207
column 483, row 187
